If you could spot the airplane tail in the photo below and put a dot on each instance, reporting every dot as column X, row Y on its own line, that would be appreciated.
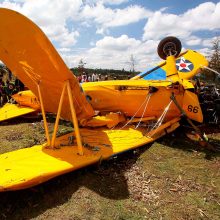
column 188, row 64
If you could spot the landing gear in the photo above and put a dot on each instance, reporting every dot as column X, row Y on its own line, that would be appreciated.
column 169, row 46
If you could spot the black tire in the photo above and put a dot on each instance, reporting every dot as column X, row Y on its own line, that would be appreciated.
column 169, row 46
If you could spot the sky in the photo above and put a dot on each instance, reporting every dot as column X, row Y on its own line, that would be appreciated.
column 107, row 33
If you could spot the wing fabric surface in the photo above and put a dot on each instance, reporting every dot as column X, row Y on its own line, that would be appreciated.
column 27, row 52
column 9, row 111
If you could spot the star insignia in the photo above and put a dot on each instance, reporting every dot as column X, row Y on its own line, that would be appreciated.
column 184, row 65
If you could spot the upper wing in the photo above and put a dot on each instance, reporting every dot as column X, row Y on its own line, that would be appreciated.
column 29, row 54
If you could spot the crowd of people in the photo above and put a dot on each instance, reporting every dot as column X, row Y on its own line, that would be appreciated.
column 94, row 77
column 9, row 85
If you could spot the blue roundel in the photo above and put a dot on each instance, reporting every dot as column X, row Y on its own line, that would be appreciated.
column 184, row 65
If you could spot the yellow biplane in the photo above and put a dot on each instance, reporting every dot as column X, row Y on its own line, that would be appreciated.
column 109, row 117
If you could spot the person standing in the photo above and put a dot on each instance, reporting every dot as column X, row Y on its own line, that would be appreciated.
column 1, row 93
column 93, row 77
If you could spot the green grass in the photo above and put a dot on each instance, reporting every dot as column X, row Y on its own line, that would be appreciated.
column 169, row 179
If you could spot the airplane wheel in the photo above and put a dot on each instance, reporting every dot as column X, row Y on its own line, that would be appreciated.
column 169, row 46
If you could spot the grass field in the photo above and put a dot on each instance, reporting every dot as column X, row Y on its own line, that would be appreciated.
column 172, row 178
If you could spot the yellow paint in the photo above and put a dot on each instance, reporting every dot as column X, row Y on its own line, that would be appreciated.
column 9, row 111
column 58, row 116
column 31, row 166
column 110, row 120
column 128, row 96
column 142, row 119
column 27, row 52
column 32, row 58
column 74, row 120
column 187, row 84
column 27, row 99
column 170, row 68
column 43, row 115
column 197, row 59
column 192, row 107
column 27, row 103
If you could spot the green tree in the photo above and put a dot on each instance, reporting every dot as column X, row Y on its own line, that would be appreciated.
column 132, row 63
column 215, row 58
column 81, row 66
column 214, row 62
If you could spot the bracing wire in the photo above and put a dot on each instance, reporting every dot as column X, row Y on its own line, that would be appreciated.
column 214, row 71
column 146, row 100
column 161, row 118
column 145, row 108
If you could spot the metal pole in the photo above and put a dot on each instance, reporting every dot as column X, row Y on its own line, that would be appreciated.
column 75, row 121
column 202, row 136
column 44, row 115
column 58, row 115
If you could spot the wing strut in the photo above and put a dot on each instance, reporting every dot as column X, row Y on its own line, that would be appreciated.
column 44, row 115
column 51, row 143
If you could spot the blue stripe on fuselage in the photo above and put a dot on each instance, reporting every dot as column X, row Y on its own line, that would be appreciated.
column 158, row 74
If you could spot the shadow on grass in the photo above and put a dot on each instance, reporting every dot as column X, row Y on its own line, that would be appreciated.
column 179, row 140
column 106, row 180
column 21, row 120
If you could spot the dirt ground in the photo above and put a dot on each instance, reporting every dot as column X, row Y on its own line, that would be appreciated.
column 172, row 178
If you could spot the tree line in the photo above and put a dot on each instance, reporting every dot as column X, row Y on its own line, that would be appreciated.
column 111, row 73
column 212, row 74
column 207, row 75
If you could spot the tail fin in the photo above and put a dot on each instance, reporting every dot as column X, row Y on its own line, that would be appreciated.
column 188, row 64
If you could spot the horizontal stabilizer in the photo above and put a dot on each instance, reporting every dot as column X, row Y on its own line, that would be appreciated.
column 188, row 64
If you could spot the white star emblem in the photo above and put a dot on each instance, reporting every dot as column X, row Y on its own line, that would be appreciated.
column 184, row 65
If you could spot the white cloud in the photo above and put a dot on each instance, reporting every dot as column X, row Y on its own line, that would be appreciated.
column 208, row 42
column 55, row 17
column 193, row 41
column 114, row 2
column 107, row 17
column 122, row 43
column 114, row 53
column 11, row 5
column 51, row 16
column 106, row 2
column 205, row 16
column 64, row 50
column 205, row 51
column 67, row 38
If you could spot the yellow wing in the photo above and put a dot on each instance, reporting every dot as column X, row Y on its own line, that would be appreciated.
column 28, row 53
column 9, row 111
column 31, row 166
